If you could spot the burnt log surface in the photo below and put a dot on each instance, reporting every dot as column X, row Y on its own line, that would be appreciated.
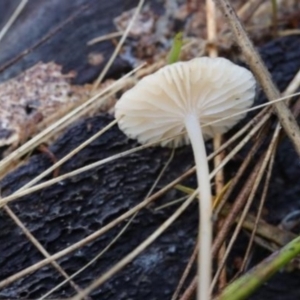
column 69, row 211
column 66, row 213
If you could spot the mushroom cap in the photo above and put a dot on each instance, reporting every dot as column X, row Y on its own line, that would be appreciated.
column 212, row 88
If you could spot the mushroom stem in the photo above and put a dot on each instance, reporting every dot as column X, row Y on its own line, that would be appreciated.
column 193, row 128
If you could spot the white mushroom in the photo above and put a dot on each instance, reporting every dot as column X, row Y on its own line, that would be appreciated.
column 178, row 99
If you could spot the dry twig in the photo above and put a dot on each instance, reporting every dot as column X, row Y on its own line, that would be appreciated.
column 262, row 164
column 260, row 209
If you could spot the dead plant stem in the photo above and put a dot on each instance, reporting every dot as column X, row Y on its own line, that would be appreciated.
column 92, row 260
column 13, row 17
column 260, row 209
column 217, row 142
column 227, row 223
column 37, row 244
column 248, row 9
column 262, row 164
column 186, row 272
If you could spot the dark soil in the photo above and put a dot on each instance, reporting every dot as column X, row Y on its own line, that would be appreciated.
column 69, row 211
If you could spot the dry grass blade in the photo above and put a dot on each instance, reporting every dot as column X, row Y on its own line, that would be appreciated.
column 119, row 46
column 67, row 157
column 13, row 17
column 288, row 32
column 274, row 17
column 127, row 259
column 265, row 231
column 72, row 174
column 37, row 244
column 91, row 261
column 242, row 168
column 173, row 202
column 262, row 167
column 254, row 108
column 237, row 148
column 186, row 272
column 256, row 64
column 161, row 173
column 248, row 9
column 293, row 86
column 211, row 19
column 104, row 38
column 239, row 201
column 223, row 276
column 217, row 141
column 260, row 209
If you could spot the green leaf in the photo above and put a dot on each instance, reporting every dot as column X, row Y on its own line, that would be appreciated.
column 174, row 53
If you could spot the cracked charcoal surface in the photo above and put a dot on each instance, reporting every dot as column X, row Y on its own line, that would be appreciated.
column 67, row 212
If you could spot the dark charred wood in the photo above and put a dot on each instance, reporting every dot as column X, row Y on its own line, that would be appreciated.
column 69, row 211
